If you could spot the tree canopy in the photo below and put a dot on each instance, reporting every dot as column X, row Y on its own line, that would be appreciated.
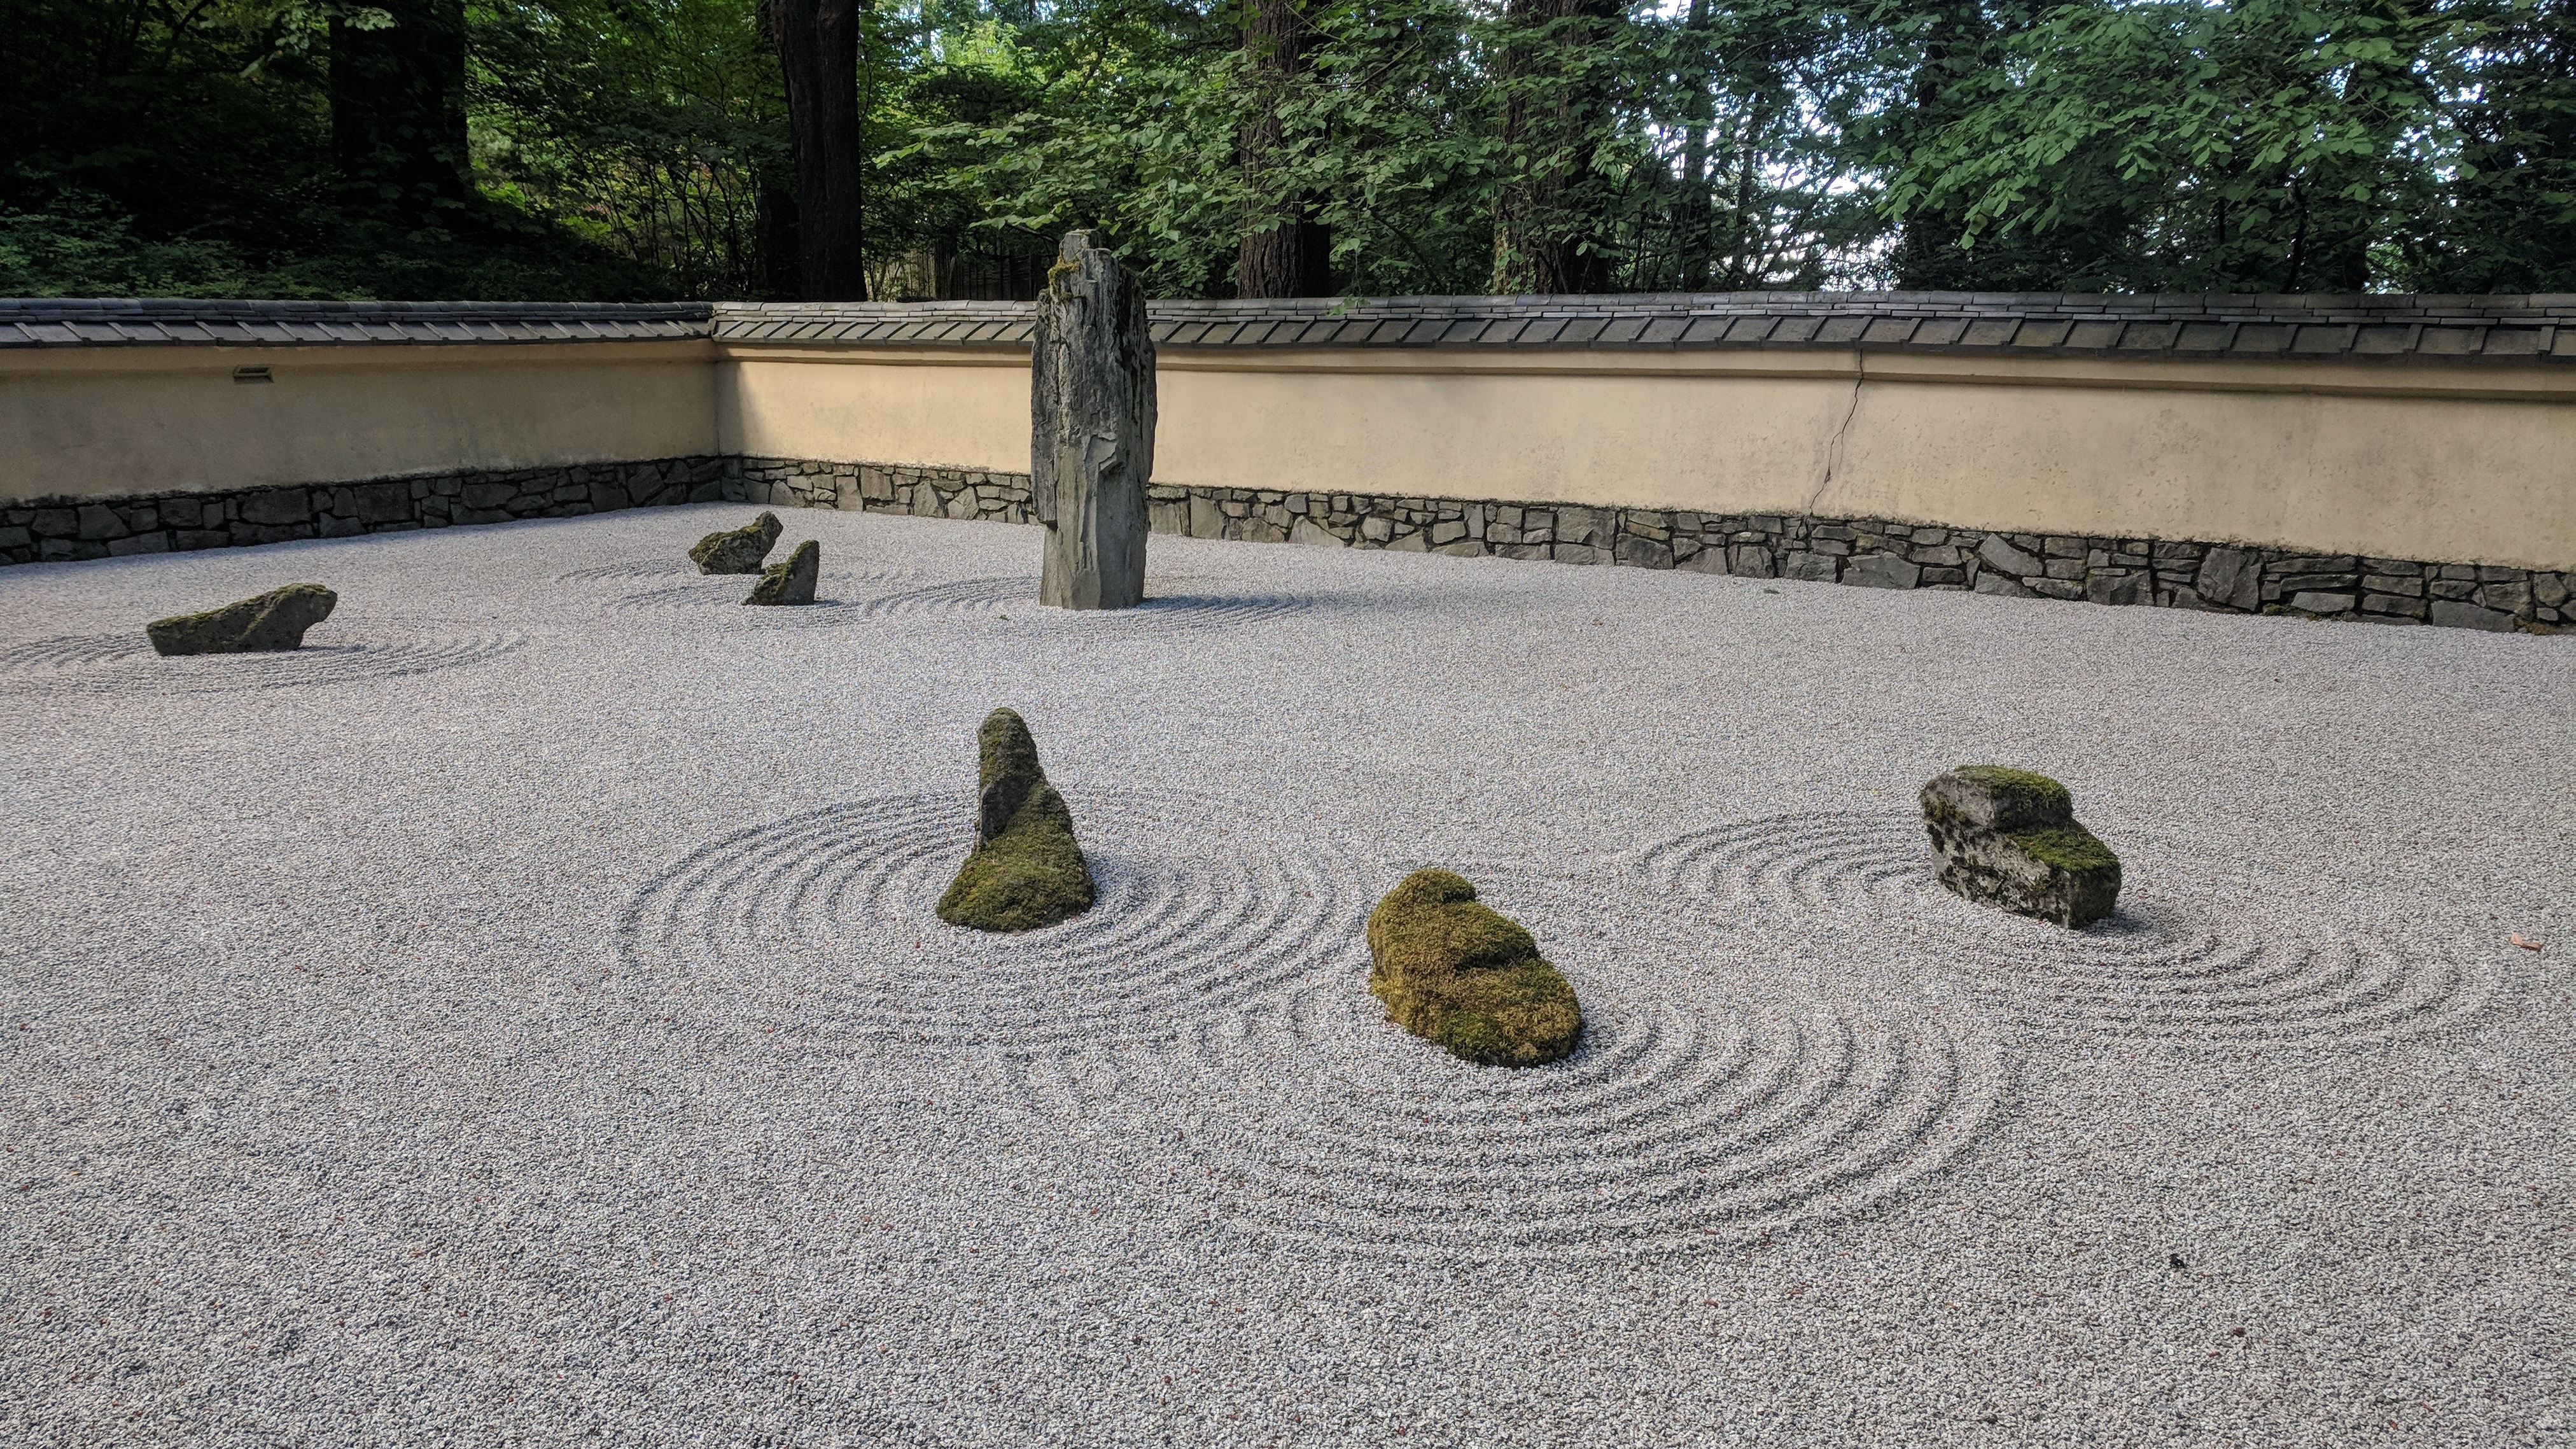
column 631, row 149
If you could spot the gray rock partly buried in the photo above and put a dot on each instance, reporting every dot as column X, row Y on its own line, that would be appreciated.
column 1091, row 433
column 271, row 623
column 793, row 581
column 738, row 550
column 2008, row 838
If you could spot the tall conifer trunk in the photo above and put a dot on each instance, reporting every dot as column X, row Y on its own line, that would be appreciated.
column 397, row 98
column 818, row 53
column 1291, row 257
column 1549, row 234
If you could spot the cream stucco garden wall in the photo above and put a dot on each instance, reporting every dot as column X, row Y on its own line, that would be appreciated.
column 2414, row 460
column 105, row 422
column 2400, row 460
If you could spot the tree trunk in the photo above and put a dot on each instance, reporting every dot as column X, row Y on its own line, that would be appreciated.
column 398, row 108
column 1694, row 220
column 1549, row 234
column 1290, row 257
column 1928, row 257
column 818, row 53
column 1091, row 428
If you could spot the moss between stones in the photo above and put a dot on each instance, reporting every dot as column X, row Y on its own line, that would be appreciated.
column 1027, row 868
column 1456, row 972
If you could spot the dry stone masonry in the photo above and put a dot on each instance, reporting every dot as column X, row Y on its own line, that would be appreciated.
column 1870, row 553
column 47, row 531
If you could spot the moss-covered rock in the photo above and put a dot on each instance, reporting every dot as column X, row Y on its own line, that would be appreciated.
column 793, row 581
column 1455, row 971
column 1027, row 869
column 737, row 550
column 271, row 623
column 2008, row 838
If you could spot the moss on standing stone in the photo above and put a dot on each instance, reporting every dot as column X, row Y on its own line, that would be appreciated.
column 1027, row 869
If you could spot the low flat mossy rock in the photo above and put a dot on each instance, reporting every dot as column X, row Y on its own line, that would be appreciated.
column 738, row 550
column 1027, row 869
column 2008, row 838
column 272, row 623
column 1456, row 972
column 793, row 581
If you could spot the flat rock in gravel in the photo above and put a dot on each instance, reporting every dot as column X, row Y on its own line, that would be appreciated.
column 793, row 581
column 2009, row 838
column 1455, row 971
column 1027, row 868
column 272, row 622
column 737, row 550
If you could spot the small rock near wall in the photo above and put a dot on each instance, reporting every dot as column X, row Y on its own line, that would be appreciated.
column 2009, row 838
column 793, row 581
column 739, row 550
column 271, row 623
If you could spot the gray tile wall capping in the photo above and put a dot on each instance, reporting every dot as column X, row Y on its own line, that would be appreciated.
column 2510, row 328
column 2504, row 328
column 157, row 322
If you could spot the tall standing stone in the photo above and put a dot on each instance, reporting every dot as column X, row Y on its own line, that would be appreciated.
column 1091, row 434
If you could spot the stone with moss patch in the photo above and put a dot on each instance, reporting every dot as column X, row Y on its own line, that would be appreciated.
column 737, row 550
column 2008, row 838
column 1027, row 869
column 793, row 581
column 273, row 622
column 1458, row 973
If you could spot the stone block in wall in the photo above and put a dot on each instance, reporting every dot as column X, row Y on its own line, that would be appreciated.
column 2106, row 587
column 1579, row 553
column 2229, row 577
column 1999, row 554
column 2002, row 585
column 134, row 543
column 1750, row 560
column 277, row 507
column 1809, row 567
column 1640, row 551
column 2452, row 615
column 1882, row 571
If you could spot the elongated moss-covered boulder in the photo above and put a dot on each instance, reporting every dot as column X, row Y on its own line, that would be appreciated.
column 2008, row 838
column 1454, row 971
column 1026, row 870
column 793, row 581
column 737, row 550
column 271, row 623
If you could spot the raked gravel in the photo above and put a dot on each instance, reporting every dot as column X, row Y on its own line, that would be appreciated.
column 519, row 1018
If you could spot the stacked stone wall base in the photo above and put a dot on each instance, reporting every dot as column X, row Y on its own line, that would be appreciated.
column 1870, row 553
column 46, row 530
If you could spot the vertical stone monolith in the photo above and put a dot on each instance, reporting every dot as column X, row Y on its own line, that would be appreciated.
column 1091, row 428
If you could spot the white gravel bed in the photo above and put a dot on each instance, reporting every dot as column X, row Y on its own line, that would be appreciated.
column 519, row 1017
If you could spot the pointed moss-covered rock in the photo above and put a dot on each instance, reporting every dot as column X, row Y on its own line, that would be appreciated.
column 793, row 581
column 2008, row 838
column 1026, row 870
column 738, row 550
column 271, row 623
column 1455, row 971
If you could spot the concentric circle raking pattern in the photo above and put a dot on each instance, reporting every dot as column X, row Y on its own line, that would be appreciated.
column 1715, row 1098
column 1169, row 604
column 832, row 910
column 126, row 663
column 2211, row 963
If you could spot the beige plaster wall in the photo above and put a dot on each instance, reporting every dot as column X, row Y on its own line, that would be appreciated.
column 2419, row 461
column 109, row 421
